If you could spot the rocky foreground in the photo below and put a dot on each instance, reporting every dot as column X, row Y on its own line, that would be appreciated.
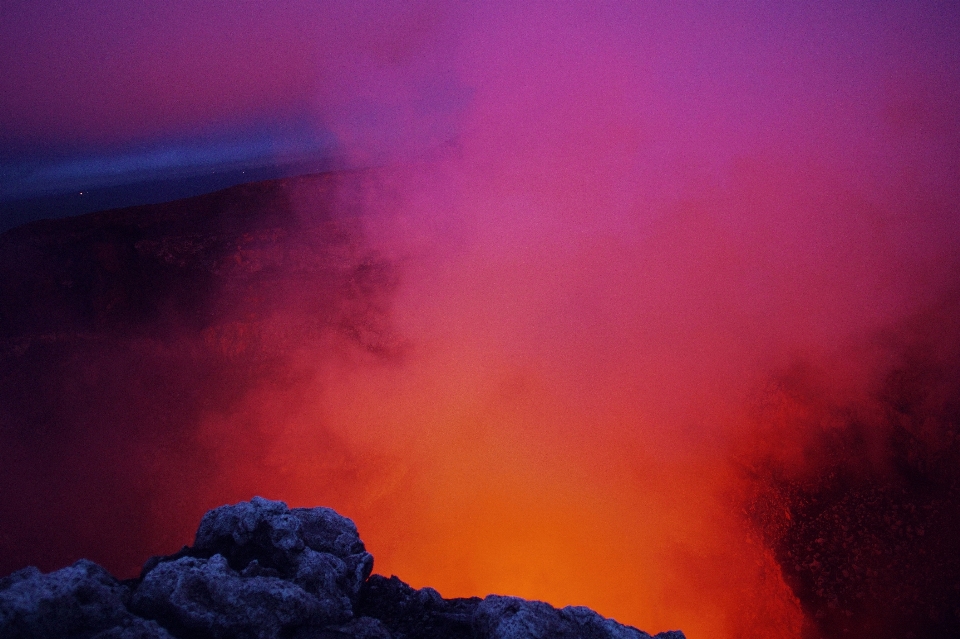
column 261, row 570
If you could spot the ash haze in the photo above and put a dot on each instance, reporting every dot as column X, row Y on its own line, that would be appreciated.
column 650, row 309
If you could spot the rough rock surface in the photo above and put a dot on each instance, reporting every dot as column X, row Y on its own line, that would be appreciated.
column 82, row 600
column 260, row 570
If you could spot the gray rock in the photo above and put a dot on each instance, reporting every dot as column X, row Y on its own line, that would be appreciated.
column 358, row 628
column 206, row 597
column 590, row 624
column 314, row 547
column 366, row 628
column 325, row 576
column 135, row 628
column 23, row 574
column 512, row 618
column 260, row 529
column 416, row 614
column 500, row 617
column 260, row 570
column 325, row 531
column 80, row 601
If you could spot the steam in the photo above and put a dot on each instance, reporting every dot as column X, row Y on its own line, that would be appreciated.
column 620, row 282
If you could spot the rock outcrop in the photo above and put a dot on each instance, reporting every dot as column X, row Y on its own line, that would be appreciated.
column 260, row 570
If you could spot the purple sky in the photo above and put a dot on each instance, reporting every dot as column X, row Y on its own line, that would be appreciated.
column 102, row 91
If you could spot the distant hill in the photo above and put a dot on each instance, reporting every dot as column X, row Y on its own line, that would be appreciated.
column 58, row 204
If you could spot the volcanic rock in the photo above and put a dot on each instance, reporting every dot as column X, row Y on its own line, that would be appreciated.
column 82, row 600
column 260, row 570
column 513, row 618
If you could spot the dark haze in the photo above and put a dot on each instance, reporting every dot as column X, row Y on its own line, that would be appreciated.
column 121, row 332
column 859, row 498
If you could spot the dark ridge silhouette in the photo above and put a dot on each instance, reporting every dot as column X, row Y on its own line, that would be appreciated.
column 17, row 211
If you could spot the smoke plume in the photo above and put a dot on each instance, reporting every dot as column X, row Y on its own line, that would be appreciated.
column 660, row 319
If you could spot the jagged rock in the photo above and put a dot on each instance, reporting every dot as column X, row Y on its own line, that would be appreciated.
column 424, row 614
column 359, row 628
column 205, row 597
column 80, row 601
column 134, row 628
column 260, row 570
column 316, row 548
column 513, row 618
column 416, row 614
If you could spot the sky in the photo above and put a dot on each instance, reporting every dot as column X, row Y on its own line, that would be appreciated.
column 99, row 93
column 663, row 273
column 104, row 94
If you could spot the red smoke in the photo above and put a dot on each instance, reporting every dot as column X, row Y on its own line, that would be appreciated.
column 675, row 275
